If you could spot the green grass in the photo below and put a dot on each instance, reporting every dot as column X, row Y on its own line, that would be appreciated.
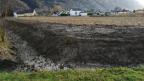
column 99, row 74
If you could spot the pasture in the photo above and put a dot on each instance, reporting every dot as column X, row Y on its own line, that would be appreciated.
column 99, row 74
column 120, row 21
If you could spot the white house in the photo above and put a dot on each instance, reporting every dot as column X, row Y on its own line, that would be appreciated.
column 25, row 13
column 75, row 12
column 83, row 14
column 64, row 12
column 139, row 11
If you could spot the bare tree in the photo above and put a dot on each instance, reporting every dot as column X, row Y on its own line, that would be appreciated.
column 57, row 8
column 5, row 8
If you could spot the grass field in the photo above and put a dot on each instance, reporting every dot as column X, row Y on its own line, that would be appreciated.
column 99, row 74
column 89, row 20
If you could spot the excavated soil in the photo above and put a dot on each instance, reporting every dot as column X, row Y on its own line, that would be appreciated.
column 77, row 45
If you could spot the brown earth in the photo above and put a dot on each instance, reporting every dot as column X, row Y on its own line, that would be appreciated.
column 83, row 45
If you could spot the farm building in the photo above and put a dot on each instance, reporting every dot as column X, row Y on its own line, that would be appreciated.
column 64, row 13
column 122, row 12
column 75, row 12
column 139, row 11
column 99, row 13
column 83, row 14
column 25, row 13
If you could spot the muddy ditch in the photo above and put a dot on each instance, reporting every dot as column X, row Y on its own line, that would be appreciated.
column 79, row 46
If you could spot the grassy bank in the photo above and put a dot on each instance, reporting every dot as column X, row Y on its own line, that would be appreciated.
column 99, row 74
column 4, row 45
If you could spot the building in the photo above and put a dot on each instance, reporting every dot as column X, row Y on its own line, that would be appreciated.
column 24, row 13
column 55, row 14
column 75, row 12
column 99, row 13
column 124, row 12
column 83, row 14
column 64, row 13
column 121, row 12
column 139, row 11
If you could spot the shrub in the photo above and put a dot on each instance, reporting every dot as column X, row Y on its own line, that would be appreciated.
column 64, row 14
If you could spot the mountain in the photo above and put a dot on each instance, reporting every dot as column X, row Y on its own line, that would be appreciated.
column 13, row 4
column 86, row 4
column 83, row 4
column 96, row 4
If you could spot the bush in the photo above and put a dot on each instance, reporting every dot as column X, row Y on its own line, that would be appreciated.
column 4, row 45
column 90, row 14
column 64, row 14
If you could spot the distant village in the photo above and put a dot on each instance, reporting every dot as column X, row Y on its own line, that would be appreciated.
column 117, row 11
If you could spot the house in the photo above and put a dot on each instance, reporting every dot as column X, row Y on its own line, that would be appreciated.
column 83, row 14
column 75, row 12
column 64, row 13
column 25, row 13
column 124, row 12
column 99, row 13
column 108, row 14
column 55, row 14
column 139, row 11
column 121, row 12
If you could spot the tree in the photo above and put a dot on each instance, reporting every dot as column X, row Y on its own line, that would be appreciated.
column 57, row 8
column 117, row 9
column 8, row 6
column 5, row 8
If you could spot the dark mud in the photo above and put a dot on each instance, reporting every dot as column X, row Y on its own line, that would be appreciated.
column 82, row 46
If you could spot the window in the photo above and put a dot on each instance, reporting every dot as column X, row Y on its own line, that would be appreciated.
column 76, row 13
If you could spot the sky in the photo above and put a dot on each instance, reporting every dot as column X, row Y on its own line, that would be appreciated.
column 141, row 2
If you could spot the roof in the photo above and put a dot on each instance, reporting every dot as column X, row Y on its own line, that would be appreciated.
column 140, row 10
column 83, row 12
column 76, row 9
column 24, row 11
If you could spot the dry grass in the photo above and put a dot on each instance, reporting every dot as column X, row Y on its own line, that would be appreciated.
column 4, row 44
column 89, row 20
